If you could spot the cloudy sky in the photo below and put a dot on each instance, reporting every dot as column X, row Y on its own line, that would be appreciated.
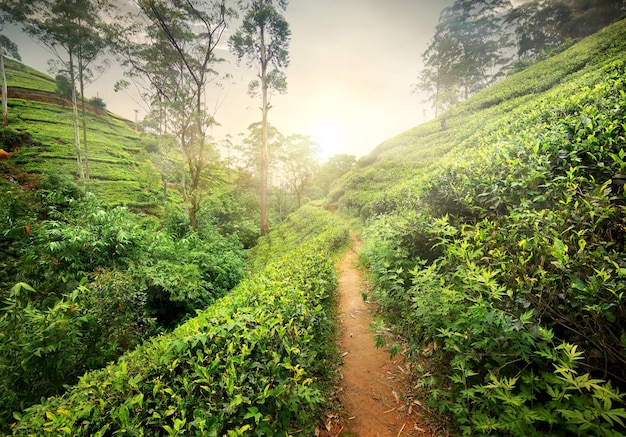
column 353, row 64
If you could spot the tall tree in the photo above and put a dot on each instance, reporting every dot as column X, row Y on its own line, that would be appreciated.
column 7, row 47
column 438, row 78
column 467, row 52
column 299, row 162
column 263, row 39
column 543, row 25
column 537, row 27
column 174, row 47
column 92, row 45
column 70, row 29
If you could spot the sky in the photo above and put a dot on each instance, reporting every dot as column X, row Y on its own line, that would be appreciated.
column 352, row 67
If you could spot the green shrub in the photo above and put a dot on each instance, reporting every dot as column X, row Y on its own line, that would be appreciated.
column 182, row 275
column 64, row 86
column 504, row 263
column 10, row 139
column 232, row 213
column 81, row 236
column 119, row 316
column 41, row 347
column 252, row 363
column 98, row 103
column 495, row 367
column 128, row 279
column 77, row 240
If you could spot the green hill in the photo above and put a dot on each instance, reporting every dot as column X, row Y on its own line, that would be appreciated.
column 412, row 153
column 120, row 169
column 495, row 236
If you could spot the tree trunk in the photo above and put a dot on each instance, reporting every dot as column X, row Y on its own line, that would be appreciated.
column 183, row 164
column 264, row 165
column 164, row 183
column 183, row 175
column 79, row 160
column 162, row 130
column 194, row 207
column 438, row 91
column 5, row 116
column 84, row 121
column 264, row 153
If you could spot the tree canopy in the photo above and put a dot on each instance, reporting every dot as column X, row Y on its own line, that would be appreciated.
column 176, row 53
column 479, row 42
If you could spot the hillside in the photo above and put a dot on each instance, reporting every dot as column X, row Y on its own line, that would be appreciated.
column 495, row 236
column 120, row 168
column 259, row 360
column 400, row 161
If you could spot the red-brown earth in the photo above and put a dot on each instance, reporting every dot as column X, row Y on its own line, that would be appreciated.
column 375, row 389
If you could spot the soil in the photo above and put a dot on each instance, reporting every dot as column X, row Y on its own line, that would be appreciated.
column 375, row 389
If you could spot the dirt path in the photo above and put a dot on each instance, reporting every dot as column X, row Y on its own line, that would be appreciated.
column 373, row 391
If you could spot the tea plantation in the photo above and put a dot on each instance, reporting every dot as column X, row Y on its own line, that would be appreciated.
column 496, row 242
column 495, row 238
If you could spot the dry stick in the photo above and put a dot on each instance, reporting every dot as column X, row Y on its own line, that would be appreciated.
column 401, row 429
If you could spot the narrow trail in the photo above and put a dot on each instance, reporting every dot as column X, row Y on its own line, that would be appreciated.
column 373, row 386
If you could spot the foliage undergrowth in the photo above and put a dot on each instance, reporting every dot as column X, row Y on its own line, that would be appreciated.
column 82, row 282
column 253, row 363
column 502, row 261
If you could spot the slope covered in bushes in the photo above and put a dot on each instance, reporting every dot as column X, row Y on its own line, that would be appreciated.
column 119, row 163
column 256, row 361
column 82, row 282
column 495, row 237
column 407, row 158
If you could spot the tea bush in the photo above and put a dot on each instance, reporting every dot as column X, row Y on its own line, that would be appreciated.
column 503, row 260
column 250, row 364
column 75, row 235
column 122, row 277
column 41, row 349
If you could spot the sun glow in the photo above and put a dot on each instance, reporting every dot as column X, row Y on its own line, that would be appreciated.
column 330, row 136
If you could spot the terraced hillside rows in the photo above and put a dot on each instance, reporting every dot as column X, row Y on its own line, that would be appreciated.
column 496, row 238
column 120, row 168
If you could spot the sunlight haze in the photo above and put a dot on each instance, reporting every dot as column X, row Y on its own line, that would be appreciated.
column 352, row 66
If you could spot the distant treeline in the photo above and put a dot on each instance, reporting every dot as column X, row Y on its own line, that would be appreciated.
column 477, row 43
